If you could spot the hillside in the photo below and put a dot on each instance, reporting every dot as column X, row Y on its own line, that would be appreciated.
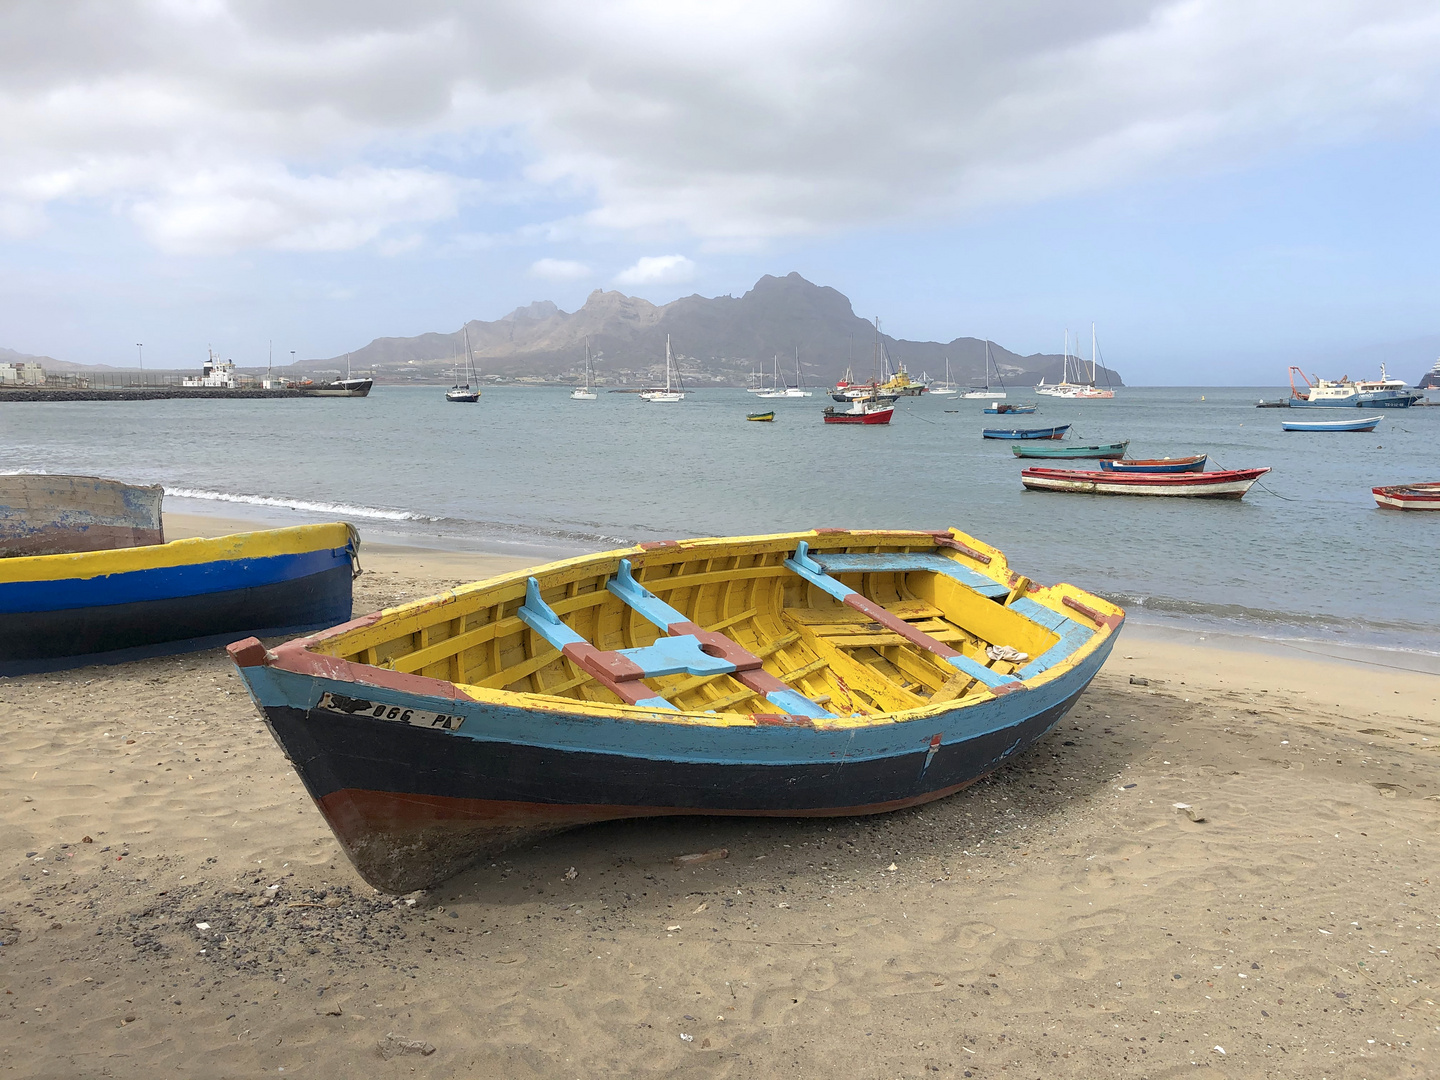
column 720, row 339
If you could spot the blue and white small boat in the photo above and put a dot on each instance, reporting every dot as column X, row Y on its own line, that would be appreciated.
column 1365, row 423
column 1193, row 463
column 1056, row 432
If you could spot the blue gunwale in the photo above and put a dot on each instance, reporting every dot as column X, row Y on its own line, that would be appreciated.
column 166, row 582
column 674, row 736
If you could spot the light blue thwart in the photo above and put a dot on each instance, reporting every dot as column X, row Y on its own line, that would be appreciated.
column 670, row 655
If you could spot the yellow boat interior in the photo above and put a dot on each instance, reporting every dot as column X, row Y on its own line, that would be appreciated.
column 846, row 661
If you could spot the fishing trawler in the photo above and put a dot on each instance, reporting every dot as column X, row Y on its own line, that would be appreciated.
column 1381, row 393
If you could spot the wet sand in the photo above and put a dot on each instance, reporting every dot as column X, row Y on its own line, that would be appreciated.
column 1060, row 919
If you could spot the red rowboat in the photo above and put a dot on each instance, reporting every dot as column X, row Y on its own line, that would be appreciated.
column 1409, row 496
column 1224, row 484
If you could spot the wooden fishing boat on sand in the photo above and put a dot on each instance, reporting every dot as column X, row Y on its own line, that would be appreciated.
column 1226, row 484
column 105, row 607
column 1408, row 496
column 1105, row 450
column 829, row 672
column 1193, row 463
column 1056, row 432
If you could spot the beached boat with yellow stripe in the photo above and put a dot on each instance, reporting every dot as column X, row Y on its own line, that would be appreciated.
column 818, row 673
column 68, row 610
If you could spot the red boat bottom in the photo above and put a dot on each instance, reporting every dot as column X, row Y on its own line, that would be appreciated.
column 400, row 843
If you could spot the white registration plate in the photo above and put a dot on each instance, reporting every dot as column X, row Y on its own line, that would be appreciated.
column 380, row 711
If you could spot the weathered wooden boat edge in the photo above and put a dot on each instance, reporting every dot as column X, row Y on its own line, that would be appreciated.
column 400, row 841
column 55, row 513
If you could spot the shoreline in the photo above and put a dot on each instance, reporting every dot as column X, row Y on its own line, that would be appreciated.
column 466, row 563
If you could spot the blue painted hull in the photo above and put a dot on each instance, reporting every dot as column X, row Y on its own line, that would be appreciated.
column 1026, row 433
column 1387, row 400
column 413, row 805
column 60, row 623
column 1121, row 466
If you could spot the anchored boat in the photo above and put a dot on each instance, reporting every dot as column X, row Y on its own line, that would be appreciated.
column 1194, row 463
column 105, row 607
column 807, row 674
column 1057, row 432
column 1226, row 484
column 1365, row 423
column 1408, row 496
column 1105, row 450
column 464, row 393
column 1381, row 393
column 861, row 411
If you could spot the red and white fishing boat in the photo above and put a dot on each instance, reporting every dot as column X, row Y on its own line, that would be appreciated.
column 1409, row 496
column 1223, row 484
column 861, row 412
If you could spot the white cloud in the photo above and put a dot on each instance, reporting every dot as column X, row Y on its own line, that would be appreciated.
column 223, row 211
column 224, row 124
column 559, row 270
column 657, row 270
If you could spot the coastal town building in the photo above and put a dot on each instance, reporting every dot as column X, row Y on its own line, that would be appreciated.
column 23, row 373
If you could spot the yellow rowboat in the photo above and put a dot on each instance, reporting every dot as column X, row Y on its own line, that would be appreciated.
column 817, row 673
column 763, row 417
column 64, row 611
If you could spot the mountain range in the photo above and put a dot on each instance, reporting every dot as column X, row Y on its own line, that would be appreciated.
column 719, row 340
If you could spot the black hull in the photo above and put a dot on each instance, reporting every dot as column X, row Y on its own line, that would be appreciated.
column 413, row 806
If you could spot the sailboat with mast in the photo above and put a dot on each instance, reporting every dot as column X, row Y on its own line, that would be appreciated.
column 674, row 389
column 1081, row 389
column 465, row 393
column 946, row 388
column 987, row 391
column 779, row 389
column 585, row 393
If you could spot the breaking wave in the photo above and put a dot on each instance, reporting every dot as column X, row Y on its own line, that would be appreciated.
column 347, row 509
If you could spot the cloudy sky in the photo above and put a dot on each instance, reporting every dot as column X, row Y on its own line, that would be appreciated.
column 1223, row 186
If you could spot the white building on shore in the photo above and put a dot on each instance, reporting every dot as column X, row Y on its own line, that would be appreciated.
column 22, row 374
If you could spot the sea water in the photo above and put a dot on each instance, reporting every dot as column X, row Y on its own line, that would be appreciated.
column 1306, row 554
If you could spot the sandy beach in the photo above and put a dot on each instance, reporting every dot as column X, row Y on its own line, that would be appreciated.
column 1225, row 857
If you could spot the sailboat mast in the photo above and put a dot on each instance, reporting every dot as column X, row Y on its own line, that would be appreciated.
column 1092, row 354
column 875, row 364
